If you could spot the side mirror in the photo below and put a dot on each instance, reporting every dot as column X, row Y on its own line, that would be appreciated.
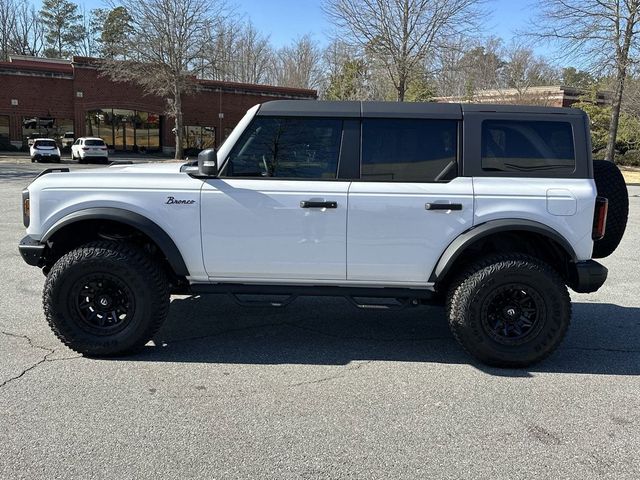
column 208, row 163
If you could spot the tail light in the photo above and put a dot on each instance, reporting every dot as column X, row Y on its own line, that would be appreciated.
column 26, row 208
column 103, row 148
column 600, row 218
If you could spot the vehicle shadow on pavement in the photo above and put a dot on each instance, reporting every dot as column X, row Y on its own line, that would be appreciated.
column 603, row 338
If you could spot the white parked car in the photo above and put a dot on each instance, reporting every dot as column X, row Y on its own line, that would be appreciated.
column 67, row 139
column 492, row 210
column 89, row 148
column 44, row 150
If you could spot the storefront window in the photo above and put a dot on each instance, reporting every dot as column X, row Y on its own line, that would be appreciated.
column 123, row 129
column 45, row 127
column 4, row 129
column 199, row 137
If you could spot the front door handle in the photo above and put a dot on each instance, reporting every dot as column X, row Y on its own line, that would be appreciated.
column 314, row 204
column 443, row 206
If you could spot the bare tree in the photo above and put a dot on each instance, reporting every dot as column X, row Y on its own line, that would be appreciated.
column 463, row 68
column 29, row 35
column 522, row 69
column 219, row 59
column 254, row 55
column 7, row 27
column 92, row 24
column 238, row 52
column 299, row 65
column 601, row 33
column 345, row 73
column 166, row 45
column 403, row 33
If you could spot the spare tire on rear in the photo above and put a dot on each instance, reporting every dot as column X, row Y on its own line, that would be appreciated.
column 610, row 184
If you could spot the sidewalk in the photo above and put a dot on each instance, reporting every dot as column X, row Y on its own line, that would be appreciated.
column 631, row 175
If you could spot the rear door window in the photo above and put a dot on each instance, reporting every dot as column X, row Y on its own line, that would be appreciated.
column 527, row 146
column 409, row 150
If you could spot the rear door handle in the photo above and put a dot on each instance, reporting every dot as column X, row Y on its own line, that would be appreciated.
column 443, row 206
column 312, row 204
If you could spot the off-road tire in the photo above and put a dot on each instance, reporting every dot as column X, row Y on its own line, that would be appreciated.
column 468, row 315
column 610, row 184
column 128, row 267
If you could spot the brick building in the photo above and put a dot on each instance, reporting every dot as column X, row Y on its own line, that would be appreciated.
column 47, row 97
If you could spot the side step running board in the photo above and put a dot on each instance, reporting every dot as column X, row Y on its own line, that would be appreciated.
column 262, row 303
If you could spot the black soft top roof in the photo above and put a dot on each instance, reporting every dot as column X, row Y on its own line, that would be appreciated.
column 311, row 108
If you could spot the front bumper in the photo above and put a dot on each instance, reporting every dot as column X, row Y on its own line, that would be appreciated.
column 588, row 276
column 32, row 251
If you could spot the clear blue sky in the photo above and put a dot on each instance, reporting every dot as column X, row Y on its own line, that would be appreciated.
column 285, row 20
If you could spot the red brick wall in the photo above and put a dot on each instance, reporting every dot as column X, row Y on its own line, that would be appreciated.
column 37, row 97
column 41, row 94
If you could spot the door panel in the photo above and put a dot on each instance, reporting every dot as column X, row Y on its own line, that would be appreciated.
column 394, row 237
column 258, row 229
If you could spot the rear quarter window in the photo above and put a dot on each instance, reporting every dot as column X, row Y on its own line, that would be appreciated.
column 527, row 146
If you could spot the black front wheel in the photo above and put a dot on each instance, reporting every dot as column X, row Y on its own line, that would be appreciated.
column 509, row 310
column 106, row 298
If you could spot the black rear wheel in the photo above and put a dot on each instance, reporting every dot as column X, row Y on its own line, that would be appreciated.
column 509, row 310
column 106, row 298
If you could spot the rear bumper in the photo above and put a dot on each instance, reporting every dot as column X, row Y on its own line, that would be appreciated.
column 588, row 276
column 38, row 157
column 32, row 251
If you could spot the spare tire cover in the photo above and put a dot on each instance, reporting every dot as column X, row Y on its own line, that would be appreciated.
column 610, row 184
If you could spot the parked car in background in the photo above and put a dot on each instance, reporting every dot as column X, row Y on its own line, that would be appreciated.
column 85, row 149
column 33, row 137
column 44, row 149
column 67, row 139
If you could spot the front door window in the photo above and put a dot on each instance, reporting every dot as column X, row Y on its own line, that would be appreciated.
column 287, row 148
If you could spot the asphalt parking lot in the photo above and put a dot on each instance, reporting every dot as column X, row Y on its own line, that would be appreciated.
column 317, row 390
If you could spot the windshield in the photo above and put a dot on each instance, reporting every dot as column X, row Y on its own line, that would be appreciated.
column 94, row 142
column 45, row 143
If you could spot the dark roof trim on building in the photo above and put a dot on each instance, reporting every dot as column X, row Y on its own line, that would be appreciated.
column 43, row 69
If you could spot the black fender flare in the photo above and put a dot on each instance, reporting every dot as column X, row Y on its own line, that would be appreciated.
column 135, row 220
column 464, row 240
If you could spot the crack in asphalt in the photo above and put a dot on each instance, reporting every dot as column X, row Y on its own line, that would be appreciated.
column 341, row 374
column 45, row 358
column 603, row 349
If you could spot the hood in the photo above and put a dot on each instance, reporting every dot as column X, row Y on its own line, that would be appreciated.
column 141, row 174
column 143, row 168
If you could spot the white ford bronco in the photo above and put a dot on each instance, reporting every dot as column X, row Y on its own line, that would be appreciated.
column 491, row 210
